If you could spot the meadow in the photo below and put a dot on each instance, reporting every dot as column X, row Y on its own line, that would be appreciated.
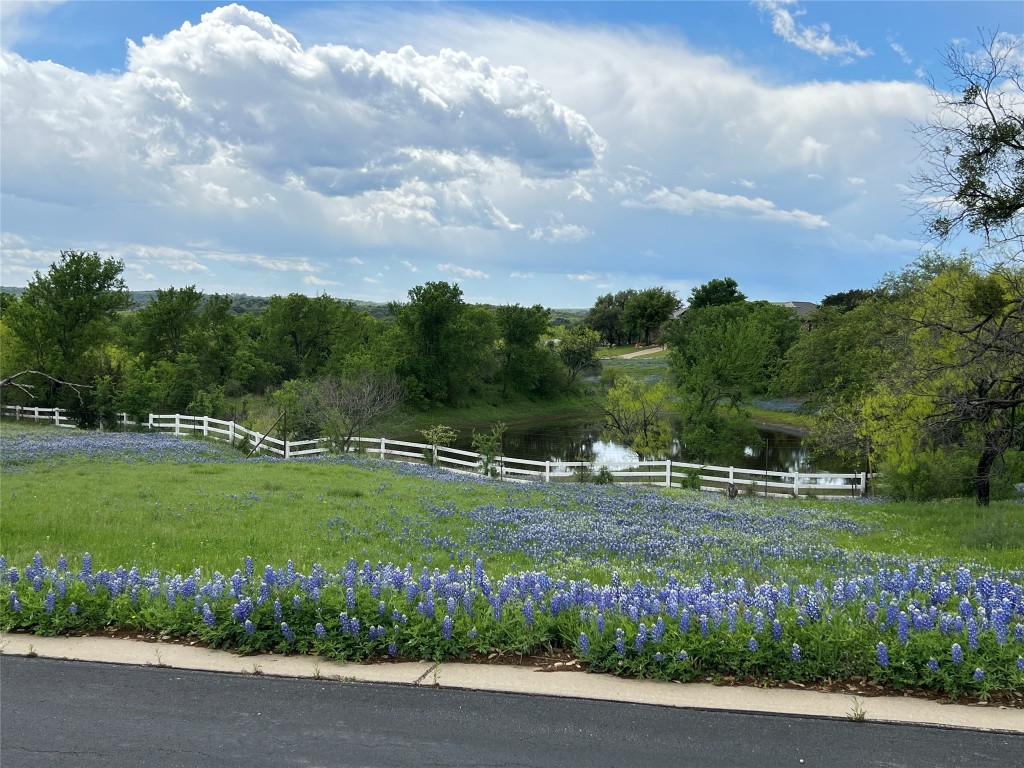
column 367, row 560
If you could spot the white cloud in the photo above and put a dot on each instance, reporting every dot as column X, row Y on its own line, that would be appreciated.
column 745, row 183
column 233, row 106
column 466, row 272
column 855, row 180
column 816, row 39
column 355, row 261
column 582, row 277
column 409, row 265
column 688, row 201
column 317, row 281
column 901, row 52
column 521, row 275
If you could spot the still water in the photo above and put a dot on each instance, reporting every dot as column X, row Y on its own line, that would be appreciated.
column 582, row 440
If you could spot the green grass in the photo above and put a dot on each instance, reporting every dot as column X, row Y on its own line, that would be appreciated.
column 211, row 515
column 173, row 516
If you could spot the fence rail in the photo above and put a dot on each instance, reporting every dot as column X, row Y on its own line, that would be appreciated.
column 667, row 473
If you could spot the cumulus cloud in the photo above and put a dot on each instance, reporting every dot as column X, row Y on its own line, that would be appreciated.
column 582, row 277
column 318, row 281
column 816, row 39
column 233, row 106
column 688, row 201
column 465, row 272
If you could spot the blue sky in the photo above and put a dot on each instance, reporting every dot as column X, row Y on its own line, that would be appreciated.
column 533, row 152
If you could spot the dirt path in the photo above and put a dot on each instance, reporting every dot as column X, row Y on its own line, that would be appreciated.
column 639, row 353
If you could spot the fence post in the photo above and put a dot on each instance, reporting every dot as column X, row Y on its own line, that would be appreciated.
column 149, row 422
column 863, row 483
column 796, row 485
column 177, row 424
column 668, row 473
column 547, row 471
column 382, row 447
column 231, row 432
column 17, row 413
column 287, row 448
column 56, row 417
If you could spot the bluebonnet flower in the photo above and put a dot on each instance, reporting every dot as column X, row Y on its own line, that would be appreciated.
column 15, row 602
column 752, row 645
column 979, row 674
column 600, row 623
column 683, row 656
column 62, row 564
column 794, row 652
column 902, row 632
column 972, row 634
column 528, row 612
column 51, row 601
column 1018, row 633
column 86, row 564
column 392, row 648
column 883, row 655
column 957, row 653
column 659, row 657
column 446, row 627
column 277, row 611
column 473, row 633
column 73, row 609
column 208, row 618
column 249, row 627
column 1020, row 662
column 296, row 603
column 289, row 636
column 704, row 630
column 641, row 638
column 320, row 631
column 776, row 630
column 584, row 644
column 933, row 664
column 620, row 641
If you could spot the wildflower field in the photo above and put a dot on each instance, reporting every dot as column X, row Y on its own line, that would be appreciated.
column 367, row 560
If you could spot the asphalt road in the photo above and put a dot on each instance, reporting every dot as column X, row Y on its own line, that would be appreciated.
column 70, row 714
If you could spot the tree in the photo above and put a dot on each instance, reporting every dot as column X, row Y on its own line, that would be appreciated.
column 353, row 404
column 647, row 311
column 577, row 349
column 958, row 381
column 716, row 293
column 605, row 317
column 445, row 346
column 166, row 321
column 63, row 318
column 973, row 147
column 846, row 300
column 637, row 415
column 524, row 362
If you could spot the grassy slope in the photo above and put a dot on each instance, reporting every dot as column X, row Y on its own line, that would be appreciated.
column 178, row 516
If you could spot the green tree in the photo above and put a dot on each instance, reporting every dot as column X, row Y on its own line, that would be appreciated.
column 605, row 317
column 524, row 363
column 716, row 293
column 299, row 333
column 647, row 311
column 637, row 414
column 957, row 383
column 165, row 322
column 444, row 345
column 63, row 318
column 577, row 349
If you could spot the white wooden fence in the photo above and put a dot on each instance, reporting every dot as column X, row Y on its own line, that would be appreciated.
column 666, row 473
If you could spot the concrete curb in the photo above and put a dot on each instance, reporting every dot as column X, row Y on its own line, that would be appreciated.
column 524, row 680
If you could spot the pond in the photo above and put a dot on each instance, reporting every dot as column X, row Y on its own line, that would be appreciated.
column 581, row 439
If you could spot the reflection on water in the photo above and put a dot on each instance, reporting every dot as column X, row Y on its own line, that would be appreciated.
column 582, row 440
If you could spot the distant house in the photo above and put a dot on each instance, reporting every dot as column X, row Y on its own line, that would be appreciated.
column 802, row 308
